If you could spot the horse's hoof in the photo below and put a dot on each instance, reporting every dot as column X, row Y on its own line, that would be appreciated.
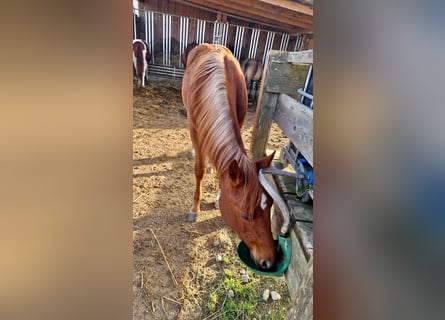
column 191, row 216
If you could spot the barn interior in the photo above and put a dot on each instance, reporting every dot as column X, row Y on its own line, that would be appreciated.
column 249, row 28
column 194, row 285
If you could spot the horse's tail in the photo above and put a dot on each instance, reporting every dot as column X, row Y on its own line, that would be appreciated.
column 244, row 66
column 247, row 70
column 148, row 52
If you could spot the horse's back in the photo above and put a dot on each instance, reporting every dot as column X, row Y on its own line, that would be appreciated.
column 215, row 96
column 214, row 55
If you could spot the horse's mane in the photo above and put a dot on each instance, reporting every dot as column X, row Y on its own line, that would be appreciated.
column 216, row 124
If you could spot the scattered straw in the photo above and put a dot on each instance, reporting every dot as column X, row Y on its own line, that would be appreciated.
column 165, row 258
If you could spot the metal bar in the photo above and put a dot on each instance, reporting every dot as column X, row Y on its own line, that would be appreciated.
column 166, row 71
column 181, row 47
column 216, row 34
column 146, row 27
column 186, row 38
column 305, row 94
column 169, row 42
column 239, row 35
column 166, row 36
column 225, row 28
column 200, row 31
column 276, row 196
column 220, row 33
column 269, row 43
column 183, row 37
column 163, row 40
column 298, row 43
column 254, row 43
column 306, row 82
column 149, row 16
column 284, row 42
column 134, row 24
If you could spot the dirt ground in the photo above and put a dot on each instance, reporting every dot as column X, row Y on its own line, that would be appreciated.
column 175, row 265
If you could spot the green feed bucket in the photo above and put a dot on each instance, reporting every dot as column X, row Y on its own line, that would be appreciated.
column 280, row 266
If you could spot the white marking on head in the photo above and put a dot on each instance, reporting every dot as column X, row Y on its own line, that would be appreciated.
column 263, row 201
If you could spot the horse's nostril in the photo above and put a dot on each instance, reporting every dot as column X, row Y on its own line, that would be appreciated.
column 265, row 264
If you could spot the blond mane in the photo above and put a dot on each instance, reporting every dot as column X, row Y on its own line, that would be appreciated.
column 217, row 131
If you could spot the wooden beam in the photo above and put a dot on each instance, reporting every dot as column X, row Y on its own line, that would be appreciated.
column 286, row 77
column 269, row 12
column 290, row 5
column 306, row 56
column 260, row 12
column 296, row 121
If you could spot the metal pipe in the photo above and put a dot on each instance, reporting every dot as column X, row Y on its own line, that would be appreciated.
column 183, row 39
column 254, row 43
column 149, row 33
column 181, row 48
column 269, row 43
column 200, row 31
column 146, row 27
column 225, row 28
column 276, row 196
column 134, row 24
column 238, row 41
column 163, row 39
column 186, row 38
column 215, row 32
column 284, row 42
column 305, row 94
column 298, row 42
column 169, row 42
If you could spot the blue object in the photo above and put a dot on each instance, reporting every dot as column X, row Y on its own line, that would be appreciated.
column 310, row 173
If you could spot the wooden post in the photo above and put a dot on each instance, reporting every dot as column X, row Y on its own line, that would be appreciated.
column 303, row 304
column 279, row 76
column 264, row 114
column 284, row 73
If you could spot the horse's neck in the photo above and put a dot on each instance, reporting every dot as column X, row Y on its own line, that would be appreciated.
column 225, row 154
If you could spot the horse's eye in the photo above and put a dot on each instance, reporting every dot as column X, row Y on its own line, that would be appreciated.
column 244, row 215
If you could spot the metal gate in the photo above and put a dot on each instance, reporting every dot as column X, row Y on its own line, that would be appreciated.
column 168, row 35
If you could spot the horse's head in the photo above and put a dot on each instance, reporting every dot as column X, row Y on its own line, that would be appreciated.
column 245, row 207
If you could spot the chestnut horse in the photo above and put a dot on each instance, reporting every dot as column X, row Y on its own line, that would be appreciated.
column 253, row 71
column 215, row 96
column 141, row 58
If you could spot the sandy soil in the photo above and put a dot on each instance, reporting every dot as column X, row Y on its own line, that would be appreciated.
column 175, row 265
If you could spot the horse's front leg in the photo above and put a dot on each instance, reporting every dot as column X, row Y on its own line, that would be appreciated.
column 200, row 170
column 218, row 196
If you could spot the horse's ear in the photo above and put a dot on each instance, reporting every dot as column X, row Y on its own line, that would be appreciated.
column 235, row 173
column 184, row 58
column 186, row 52
column 265, row 162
